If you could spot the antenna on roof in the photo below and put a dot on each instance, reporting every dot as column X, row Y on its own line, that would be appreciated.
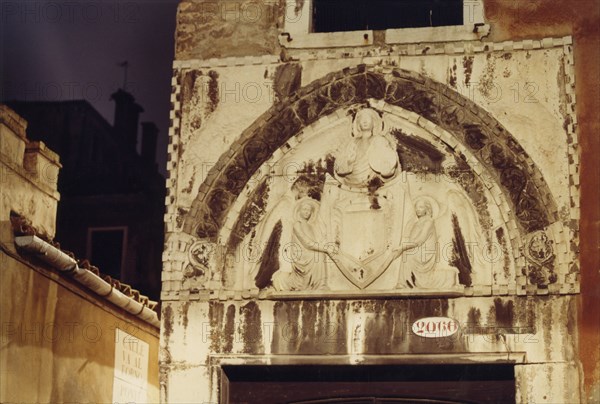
column 125, row 66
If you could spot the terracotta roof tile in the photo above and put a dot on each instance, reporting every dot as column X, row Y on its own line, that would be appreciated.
column 23, row 227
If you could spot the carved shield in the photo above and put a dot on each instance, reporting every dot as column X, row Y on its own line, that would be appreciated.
column 366, row 227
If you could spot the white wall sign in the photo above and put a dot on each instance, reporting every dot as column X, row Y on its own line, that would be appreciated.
column 435, row 327
column 131, row 369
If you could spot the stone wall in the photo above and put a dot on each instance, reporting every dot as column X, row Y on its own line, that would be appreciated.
column 516, row 20
column 60, row 342
column 30, row 172
column 213, row 29
column 494, row 122
column 201, row 336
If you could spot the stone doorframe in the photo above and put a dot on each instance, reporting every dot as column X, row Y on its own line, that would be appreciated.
column 220, row 389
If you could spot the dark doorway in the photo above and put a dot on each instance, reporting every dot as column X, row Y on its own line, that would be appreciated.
column 368, row 384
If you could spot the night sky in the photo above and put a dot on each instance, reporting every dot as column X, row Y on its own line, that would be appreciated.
column 71, row 50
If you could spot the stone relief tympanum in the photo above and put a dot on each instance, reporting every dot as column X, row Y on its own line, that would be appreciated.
column 351, row 222
column 366, row 144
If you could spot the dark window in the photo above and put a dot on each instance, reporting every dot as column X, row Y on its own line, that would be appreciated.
column 355, row 15
column 106, row 247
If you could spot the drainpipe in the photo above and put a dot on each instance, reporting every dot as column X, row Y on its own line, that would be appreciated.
column 61, row 261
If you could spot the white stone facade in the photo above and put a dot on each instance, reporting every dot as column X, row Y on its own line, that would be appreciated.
column 485, row 131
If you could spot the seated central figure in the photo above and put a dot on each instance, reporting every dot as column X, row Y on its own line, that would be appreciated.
column 368, row 155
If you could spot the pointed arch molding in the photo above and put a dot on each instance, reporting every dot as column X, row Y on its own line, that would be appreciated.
column 473, row 127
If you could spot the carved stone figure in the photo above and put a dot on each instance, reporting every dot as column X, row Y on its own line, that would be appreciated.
column 306, row 252
column 368, row 155
column 420, row 254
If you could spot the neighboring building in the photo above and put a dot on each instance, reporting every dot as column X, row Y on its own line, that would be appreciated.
column 69, row 333
column 111, row 210
column 382, row 214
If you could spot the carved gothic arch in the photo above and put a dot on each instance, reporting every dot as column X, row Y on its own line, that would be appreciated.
column 495, row 149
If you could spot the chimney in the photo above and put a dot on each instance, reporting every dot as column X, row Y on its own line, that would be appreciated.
column 127, row 115
column 149, row 137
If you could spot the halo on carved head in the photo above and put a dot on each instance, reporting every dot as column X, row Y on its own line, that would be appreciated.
column 432, row 205
column 375, row 118
column 303, row 202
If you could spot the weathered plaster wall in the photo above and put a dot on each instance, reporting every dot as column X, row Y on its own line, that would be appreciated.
column 59, row 345
column 513, row 20
column 57, row 338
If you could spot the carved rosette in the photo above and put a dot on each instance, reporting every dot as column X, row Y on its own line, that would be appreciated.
column 539, row 252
